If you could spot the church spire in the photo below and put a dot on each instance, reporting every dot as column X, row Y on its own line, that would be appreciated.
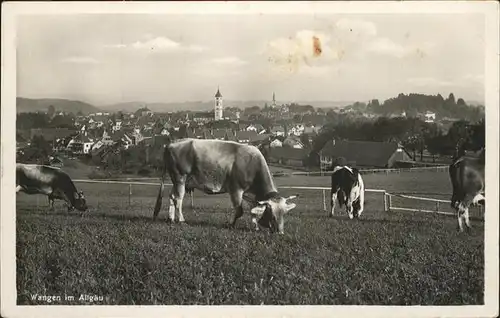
column 218, row 94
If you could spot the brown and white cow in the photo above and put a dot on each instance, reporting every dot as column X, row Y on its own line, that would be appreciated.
column 51, row 181
column 348, row 188
column 467, row 180
column 218, row 166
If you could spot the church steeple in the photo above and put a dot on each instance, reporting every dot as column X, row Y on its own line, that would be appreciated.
column 218, row 112
column 273, row 105
column 218, row 94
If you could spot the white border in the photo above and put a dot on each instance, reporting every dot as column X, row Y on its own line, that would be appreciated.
column 10, row 10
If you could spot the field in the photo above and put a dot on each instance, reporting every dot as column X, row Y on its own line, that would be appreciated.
column 116, row 251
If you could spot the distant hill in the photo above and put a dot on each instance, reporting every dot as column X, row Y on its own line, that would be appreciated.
column 209, row 105
column 25, row 105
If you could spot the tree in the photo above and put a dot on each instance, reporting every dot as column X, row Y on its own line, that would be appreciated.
column 62, row 121
column 51, row 111
column 40, row 149
column 478, row 136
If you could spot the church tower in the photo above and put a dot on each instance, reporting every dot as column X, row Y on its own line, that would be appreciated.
column 218, row 105
column 273, row 105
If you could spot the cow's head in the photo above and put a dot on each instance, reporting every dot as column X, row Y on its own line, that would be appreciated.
column 271, row 212
column 80, row 203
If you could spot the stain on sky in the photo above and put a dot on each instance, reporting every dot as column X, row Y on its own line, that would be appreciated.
column 316, row 46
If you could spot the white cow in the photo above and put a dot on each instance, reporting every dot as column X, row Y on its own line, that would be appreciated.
column 218, row 166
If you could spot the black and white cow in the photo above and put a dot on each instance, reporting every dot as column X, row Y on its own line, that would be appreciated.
column 218, row 166
column 467, row 180
column 348, row 188
column 51, row 181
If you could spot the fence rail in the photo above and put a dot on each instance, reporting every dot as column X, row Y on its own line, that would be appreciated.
column 386, row 196
column 310, row 173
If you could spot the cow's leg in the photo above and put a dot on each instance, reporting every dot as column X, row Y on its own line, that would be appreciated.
column 158, row 201
column 51, row 202
column 18, row 188
column 237, row 200
column 348, row 207
column 191, row 194
column 332, row 202
column 460, row 212
column 361, row 204
column 181, row 191
column 466, row 218
column 171, row 206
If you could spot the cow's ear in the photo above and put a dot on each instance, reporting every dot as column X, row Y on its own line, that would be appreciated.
column 258, row 210
column 262, row 202
column 77, row 195
column 290, row 207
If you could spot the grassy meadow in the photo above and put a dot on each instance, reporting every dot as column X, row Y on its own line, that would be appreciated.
column 115, row 251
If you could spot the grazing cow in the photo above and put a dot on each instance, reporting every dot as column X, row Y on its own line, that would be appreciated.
column 468, row 188
column 348, row 188
column 51, row 181
column 216, row 167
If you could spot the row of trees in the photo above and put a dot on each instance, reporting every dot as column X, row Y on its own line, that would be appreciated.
column 416, row 135
column 413, row 104
column 44, row 120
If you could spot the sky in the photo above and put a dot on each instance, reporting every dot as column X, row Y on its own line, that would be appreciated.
column 111, row 58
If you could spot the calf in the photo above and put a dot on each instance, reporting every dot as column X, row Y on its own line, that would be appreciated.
column 216, row 167
column 51, row 181
column 468, row 188
column 348, row 188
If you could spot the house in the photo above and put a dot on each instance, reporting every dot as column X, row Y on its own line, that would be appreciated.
column 56, row 162
column 430, row 117
column 117, row 126
column 203, row 117
column 293, row 142
column 105, row 141
column 80, row 144
column 368, row 154
column 258, row 128
column 311, row 129
column 276, row 143
column 245, row 137
column 122, row 138
column 296, row 130
column 288, row 156
column 278, row 130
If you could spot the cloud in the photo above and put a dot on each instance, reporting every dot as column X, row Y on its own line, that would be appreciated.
column 229, row 60
column 387, row 47
column 159, row 43
column 80, row 60
column 357, row 27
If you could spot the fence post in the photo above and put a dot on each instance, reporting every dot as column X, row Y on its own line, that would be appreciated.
column 324, row 200
column 385, row 202
column 390, row 203
column 437, row 206
column 129, row 192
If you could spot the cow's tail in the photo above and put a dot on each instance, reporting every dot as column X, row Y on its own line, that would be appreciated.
column 159, row 198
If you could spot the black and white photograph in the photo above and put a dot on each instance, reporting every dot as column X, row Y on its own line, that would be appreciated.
column 250, row 156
